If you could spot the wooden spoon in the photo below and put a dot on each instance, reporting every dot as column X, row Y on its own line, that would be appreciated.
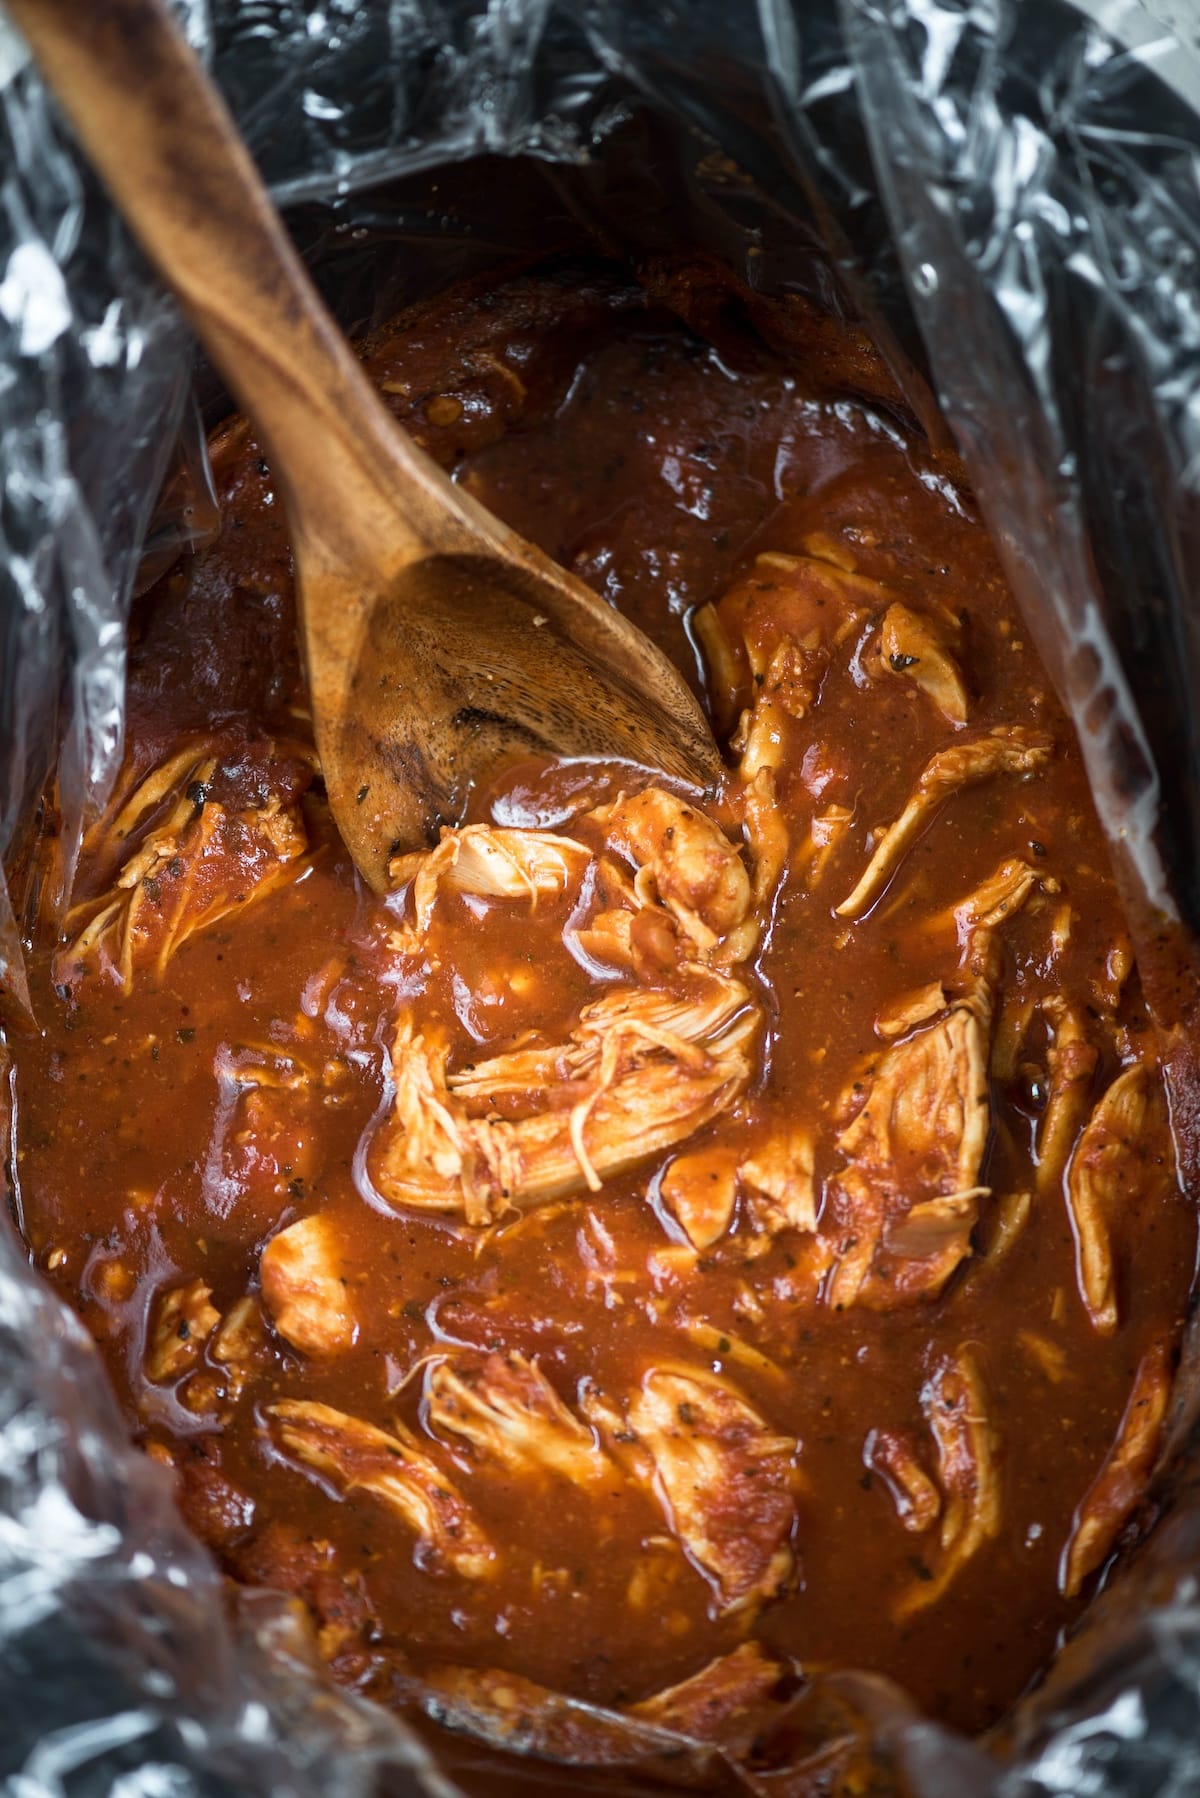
column 437, row 642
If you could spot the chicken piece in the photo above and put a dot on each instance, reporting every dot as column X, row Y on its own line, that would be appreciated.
column 993, row 902
column 426, row 1145
column 724, row 1479
column 1121, row 1159
column 904, row 1204
column 265, row 1134
column 760, row 742
column 1012, row 1027
column 203, row 861
column 354, row 1456
column 805, row 602
column 955, row 1403
column 890, row 1455
column 1009, row 1218
column 727, row 1702
column 1116, row 1489
column 1072, row 1064
column 778, row 1179
column 263, row 1065
column 186, row 1319
column 913, row 645
column 506, row 1408
column 684, row 862
column 766, row 833
column 904, row 1014
column 348, row 1627
column 787, row 604
column 535, row 1722
column 607, row 941
column 657, row 1573
column 724, row 665
column 239, row 1346
column 642, row 1068
column 936, row 1225
column 727, row 1347
column 303, row 1289
column 1061, row 925
column 640, row 1072
column 791, row 678
column 701, row 1191
column 1118, row 966
column 1009, row 749
column 826, row 831
column 135, row 801
column 790, row 612
column 491, row 863
column 288, row 1559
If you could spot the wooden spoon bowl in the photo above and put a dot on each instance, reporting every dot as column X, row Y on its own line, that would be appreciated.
column 437, row 643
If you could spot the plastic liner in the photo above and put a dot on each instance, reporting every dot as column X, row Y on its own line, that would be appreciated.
column 1008, row 195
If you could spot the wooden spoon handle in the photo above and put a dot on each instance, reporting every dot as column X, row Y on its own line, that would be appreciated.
column 159, row 134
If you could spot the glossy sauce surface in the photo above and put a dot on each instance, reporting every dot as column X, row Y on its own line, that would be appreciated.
column 185, row 1105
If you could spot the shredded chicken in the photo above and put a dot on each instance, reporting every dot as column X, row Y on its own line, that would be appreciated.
column 491, row 863
column 607, row 939
column 356, row 1457
column 911, row 1009
column 239, row 1346
column 1061, row 925
column 304, row 1293
column 1012, row 1026
column 1111, row 1175
column 766, row 833
column 644, row 1066
column 524, row 1718
column 685, row 863
column 1009, row 1218
column 722, row 662
column 905, row 1202
column 640, row 1072
column 700, row 1189
column 935, row 1225
column 506, row 1408
column 827, row 830
column 913, row 645
column 1118, row 966
column 955, row 1403
column 789, row 612
column 135, row 801
column 789, row 608
column 995, row 900
column 778, row 1179
column 775, row 1182
column 724, row 1479
column 186, row 1319
column 1113, row 1495
column 1072, row 1062
column 201, row 862
column 728, row 1347
column 722, row 1703
column 890, row 1455
column 760, row 742
column 1009, row 749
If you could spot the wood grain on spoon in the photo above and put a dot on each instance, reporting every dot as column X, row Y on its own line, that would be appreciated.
column 436, row 641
